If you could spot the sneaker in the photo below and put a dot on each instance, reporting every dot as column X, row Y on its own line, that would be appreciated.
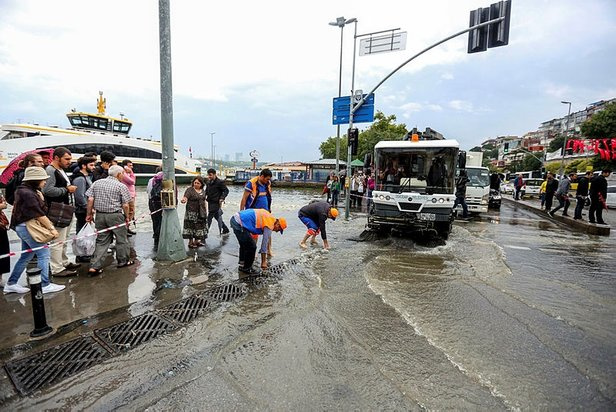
column 551, row 213
column 65, row 274
column 566, row 214
column 225, row 231
column 72, row 266
column 52, row 287
column 15, row 289
column 131, row 232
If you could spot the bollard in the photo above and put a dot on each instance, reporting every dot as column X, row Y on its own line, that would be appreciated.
column 38, row 305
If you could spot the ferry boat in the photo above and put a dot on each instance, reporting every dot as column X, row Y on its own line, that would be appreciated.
column 94, row 133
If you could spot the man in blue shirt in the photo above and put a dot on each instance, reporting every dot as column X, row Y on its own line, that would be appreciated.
column 258, row 192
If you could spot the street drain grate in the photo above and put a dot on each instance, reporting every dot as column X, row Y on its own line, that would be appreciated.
column 44, row 368
column 133, row 332
column 284, row 268
column 185, row 310
column 226, row 293
column 255, row 280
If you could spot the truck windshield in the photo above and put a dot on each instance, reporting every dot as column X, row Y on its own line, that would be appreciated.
column 478, row 177
column 423, row 170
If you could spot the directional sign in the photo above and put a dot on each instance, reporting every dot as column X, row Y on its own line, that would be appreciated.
column 393, row 41
column 342, row 110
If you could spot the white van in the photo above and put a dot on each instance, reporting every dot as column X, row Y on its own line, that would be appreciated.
column 611, row 197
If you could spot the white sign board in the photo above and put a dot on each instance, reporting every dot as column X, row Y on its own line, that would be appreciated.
column 382, row 43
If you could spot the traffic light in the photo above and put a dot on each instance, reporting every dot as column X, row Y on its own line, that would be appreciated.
column 478, row 38
column 506, row 148
column 353, row 135
column 494, row 34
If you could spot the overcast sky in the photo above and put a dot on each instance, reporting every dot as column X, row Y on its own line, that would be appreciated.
column 262, row 74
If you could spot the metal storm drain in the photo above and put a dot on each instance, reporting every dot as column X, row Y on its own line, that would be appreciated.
column 226, row 293
column 133, row 332
column 44, row 368
column 284, row 268
column 185, row 310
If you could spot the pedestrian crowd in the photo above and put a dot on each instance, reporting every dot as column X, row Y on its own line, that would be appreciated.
column 46, row 200
column 360, row 185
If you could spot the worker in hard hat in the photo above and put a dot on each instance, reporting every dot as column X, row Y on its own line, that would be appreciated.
column 248, row 222
column 314, row 215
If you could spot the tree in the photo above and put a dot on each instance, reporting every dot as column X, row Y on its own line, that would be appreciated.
column 601, row 125
column 530, row 162
column 383, row 128
column 556, row 143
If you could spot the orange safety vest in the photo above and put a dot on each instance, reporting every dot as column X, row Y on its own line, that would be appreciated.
column 254, row 182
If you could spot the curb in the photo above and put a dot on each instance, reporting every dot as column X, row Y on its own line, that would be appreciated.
column 584, row 226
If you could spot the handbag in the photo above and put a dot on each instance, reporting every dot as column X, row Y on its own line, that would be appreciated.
column 60, row 214
column 39, row 232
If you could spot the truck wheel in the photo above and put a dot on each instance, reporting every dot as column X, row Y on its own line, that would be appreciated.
column 443, row 229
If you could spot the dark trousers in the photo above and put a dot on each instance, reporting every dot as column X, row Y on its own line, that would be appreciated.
column 517, row 193
column 157, row 218
column 595, row 207
column 353, row 199
column 563, row 200
column 579, row 207
column 335, row 194
column 248, row 246
column 80, row 215
column 461, row 201
column 549, row 198
column 360, row 198
column 217, row 214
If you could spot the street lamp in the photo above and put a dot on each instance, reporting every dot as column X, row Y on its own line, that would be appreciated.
column 562, row 160
column 340, row 22
column 212, row 149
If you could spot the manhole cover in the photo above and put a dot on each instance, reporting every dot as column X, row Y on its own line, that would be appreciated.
column 226, row 293
column 44, row 368
column 185, row 310
column 127, row 335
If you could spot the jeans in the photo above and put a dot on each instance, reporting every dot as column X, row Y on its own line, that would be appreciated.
column 461, row 201
column 248, row 246
column 42, row 256
column 579, row 207
column 335, row 194
column 563, row 200
column 217, row 214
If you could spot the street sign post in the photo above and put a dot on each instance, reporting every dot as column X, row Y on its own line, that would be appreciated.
column 342, row 110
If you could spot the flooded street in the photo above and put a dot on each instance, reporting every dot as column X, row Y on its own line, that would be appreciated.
column 514, row 312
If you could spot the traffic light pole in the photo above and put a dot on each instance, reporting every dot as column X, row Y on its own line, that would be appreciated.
column 347, row 201
column 355, row 107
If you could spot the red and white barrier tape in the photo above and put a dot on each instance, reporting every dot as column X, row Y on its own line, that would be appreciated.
column 96, row 232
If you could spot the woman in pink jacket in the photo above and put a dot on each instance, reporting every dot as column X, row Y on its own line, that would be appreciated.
column 129, row 180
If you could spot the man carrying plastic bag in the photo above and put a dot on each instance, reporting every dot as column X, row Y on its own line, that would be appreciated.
column 85, row 242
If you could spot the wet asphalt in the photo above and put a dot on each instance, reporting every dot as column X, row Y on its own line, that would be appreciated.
column 516, row 311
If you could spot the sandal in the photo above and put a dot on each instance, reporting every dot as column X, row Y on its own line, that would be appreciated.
column 95, row 272
column 129, row 263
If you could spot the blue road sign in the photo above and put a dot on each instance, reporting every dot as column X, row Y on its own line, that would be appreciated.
column 342, row 110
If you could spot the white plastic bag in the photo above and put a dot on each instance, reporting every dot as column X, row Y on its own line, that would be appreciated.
column 85, row 245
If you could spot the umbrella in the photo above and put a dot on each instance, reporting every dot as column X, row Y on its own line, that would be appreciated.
column 13, row 166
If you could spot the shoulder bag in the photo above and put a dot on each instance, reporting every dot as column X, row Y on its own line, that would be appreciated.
column 60, row 214
column 39, row 232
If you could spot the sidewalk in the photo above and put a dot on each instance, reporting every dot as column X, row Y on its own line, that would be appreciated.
column 581, row 225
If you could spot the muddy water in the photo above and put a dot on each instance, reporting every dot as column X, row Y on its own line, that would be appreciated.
column 511, row 313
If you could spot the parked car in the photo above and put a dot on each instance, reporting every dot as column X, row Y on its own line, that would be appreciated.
column 507, row 187
column 611, row 197
column 531, row 187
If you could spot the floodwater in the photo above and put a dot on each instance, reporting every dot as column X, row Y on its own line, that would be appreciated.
column 514, row 312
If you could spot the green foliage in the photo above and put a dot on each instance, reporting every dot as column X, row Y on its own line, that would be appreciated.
column 530, row 162
column 578, row 165
column 602, row 124
column 556, row 144
column 553, row 167
column 383, row 128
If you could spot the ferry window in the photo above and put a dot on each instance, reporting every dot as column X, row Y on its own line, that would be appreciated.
column 141, row 168
column 121, row 127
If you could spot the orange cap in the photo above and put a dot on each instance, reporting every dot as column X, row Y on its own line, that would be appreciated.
column 334, row 212
column 283, row 224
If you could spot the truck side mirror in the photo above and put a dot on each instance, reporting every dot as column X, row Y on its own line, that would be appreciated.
column 461, row 159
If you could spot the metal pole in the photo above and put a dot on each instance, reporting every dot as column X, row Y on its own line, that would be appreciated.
column 361, row 102
column 41, row 328
column 339, row 95
column 562, row 159
column 171, row 244
column 347, row 202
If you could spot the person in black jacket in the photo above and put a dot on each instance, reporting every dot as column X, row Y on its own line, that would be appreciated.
column 101, row 171
column 314, row 215
column 461, row 182
column 550, row 188
column 581, row 193
column 217, row 192
column 598, row 194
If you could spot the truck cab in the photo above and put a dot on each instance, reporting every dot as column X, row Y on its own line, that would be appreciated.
column 478, row 188
column 414, row 186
